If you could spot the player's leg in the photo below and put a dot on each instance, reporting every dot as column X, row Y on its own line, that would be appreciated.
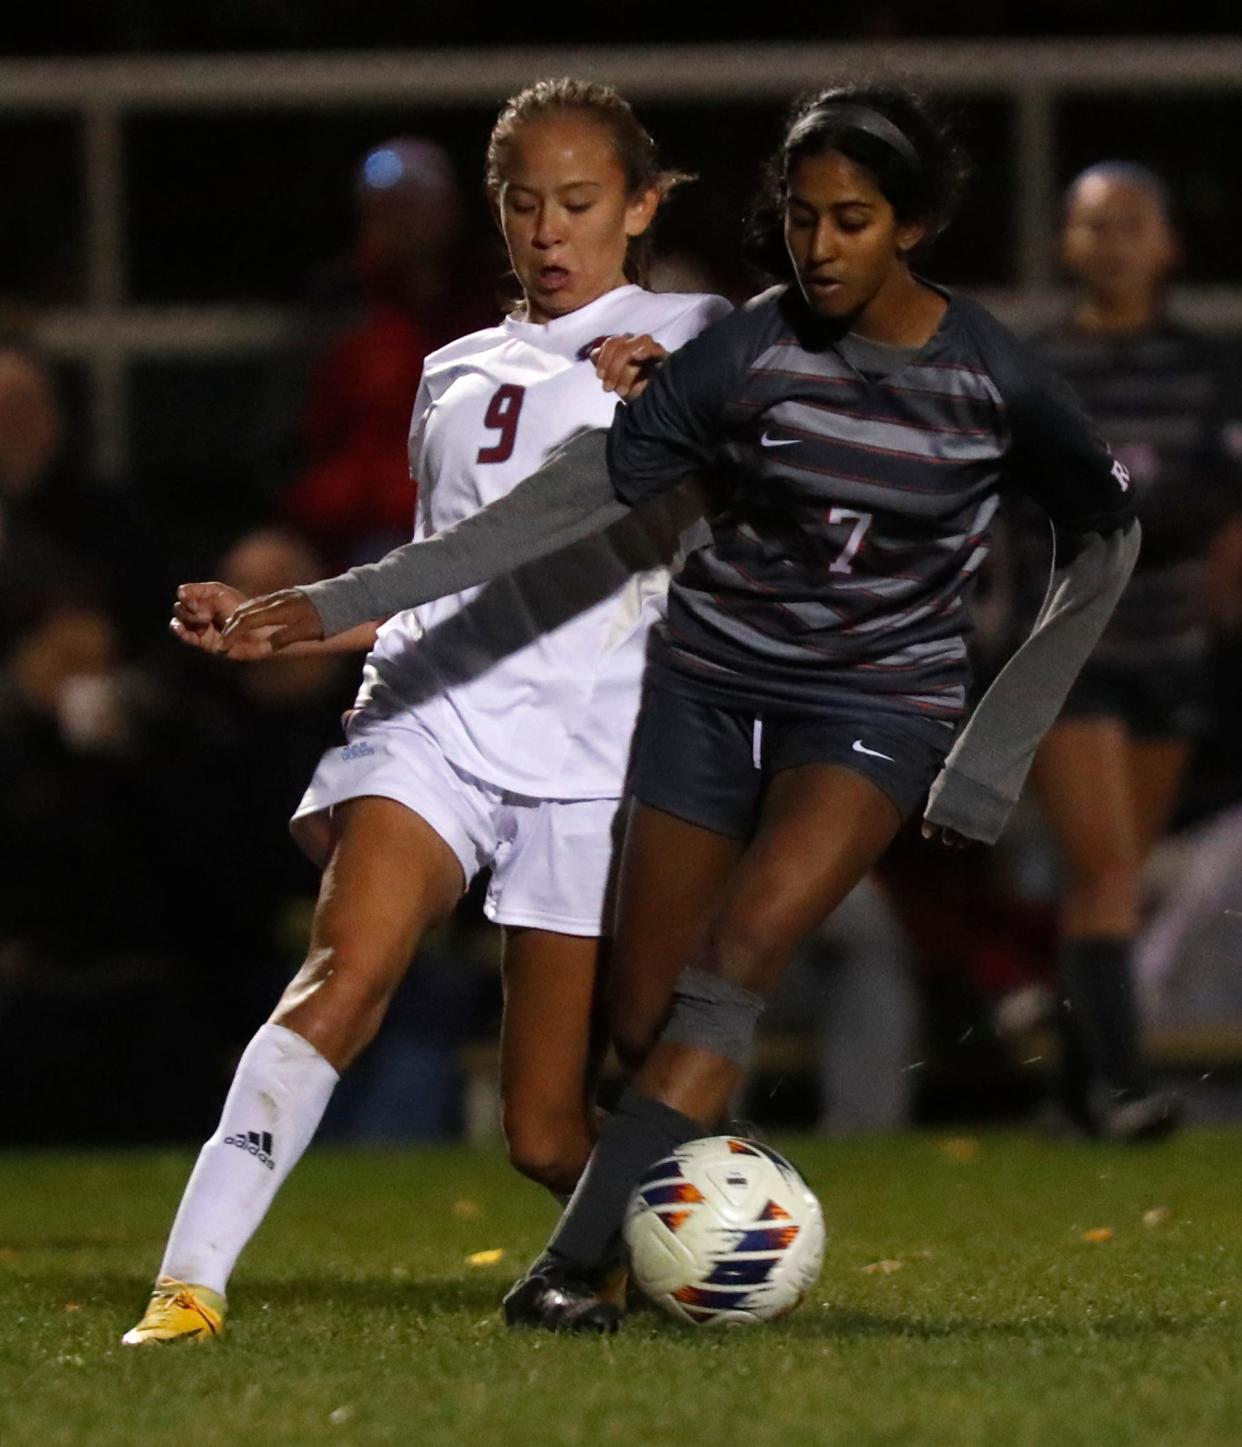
column 1157, row 769
column 1084, row 788
column 697, row 781
column 549, row 1050
column 673, row 875
column 734, row 786
column 822, row 829
column 550, row 890
column 390, row 878
column 660, row 853
column 1081, row 780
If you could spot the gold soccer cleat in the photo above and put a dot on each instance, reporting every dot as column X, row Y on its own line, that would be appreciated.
column 176, row 1313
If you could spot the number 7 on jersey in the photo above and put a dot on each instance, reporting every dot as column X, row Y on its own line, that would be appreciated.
column 502, row 413
column 862, row 521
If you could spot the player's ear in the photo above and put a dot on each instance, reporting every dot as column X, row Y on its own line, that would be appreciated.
column 910, row 234
column 640, row 210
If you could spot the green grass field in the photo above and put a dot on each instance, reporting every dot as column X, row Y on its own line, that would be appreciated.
column 960, row 1304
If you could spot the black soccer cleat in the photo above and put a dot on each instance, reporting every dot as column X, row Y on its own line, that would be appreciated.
column 558, row 1301
column 1146, row 1118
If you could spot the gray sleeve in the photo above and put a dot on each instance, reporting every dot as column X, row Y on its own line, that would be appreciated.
column 569, row 498
column 987, row 766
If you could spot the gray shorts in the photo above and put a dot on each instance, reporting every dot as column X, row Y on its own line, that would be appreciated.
column 1157, row 699
column 711, row 765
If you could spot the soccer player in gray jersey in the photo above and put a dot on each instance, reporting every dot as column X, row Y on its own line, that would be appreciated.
column 1108, row 774
column 856, row 425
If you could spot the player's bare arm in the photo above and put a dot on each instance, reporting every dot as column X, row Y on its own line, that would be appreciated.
column 625, row 363
column 204, row 612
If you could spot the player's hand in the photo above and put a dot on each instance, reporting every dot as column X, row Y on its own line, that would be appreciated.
column 201, row 612
column 950, row 838
column 625, row 363
column 276, row 621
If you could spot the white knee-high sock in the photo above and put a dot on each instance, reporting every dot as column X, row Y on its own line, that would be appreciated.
column 274, row 1107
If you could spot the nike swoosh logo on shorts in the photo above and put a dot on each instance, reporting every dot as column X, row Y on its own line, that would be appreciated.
column 861, row 748
column 766, row 441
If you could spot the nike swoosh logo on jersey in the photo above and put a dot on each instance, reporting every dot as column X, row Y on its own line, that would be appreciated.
column 766, row 441
column 861, row 748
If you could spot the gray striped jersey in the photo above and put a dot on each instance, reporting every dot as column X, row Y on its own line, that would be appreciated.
column 1168, row 406
column 854, row 509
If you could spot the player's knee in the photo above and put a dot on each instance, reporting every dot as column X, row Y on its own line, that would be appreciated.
column 550, row 1150
column 338, row 1000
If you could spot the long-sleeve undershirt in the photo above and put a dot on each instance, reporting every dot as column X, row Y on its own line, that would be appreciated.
column 571, row 496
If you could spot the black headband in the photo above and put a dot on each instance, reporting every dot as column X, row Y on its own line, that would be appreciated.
column 850, row 116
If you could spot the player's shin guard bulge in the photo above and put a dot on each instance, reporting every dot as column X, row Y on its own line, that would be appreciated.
column 713, row 1014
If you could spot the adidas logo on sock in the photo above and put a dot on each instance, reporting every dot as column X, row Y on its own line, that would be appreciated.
column 254, row 1143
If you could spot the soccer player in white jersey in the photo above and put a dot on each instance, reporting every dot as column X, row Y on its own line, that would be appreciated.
column 492, row 728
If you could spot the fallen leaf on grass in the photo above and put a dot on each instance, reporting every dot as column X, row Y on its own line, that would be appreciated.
column 960, row 1148
column 1098, row 1234
column 1157, row 1216
column 486, row 1258
column 882, row 1268
column 73, row 1306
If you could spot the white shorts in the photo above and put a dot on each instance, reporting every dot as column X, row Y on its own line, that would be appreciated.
column 551, row 859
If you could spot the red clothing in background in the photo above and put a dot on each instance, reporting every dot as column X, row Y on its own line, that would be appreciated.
column 356, row 490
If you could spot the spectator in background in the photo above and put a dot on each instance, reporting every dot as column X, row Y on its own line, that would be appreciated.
column 354, row 497
column 58, row 531
column 230, row 749
column 86, row 968
column 30, row 422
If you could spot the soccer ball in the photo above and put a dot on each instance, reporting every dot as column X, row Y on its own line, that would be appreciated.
column 724, row 1231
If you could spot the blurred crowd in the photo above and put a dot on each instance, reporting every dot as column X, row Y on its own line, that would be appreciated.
column 152, row 906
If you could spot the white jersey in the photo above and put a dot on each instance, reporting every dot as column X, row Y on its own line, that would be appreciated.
column 532, row 682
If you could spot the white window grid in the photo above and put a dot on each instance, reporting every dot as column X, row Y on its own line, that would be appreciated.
column 108, row 333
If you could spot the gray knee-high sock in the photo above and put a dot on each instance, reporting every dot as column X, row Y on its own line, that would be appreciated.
column 710, row 1014
column 637, row 1134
